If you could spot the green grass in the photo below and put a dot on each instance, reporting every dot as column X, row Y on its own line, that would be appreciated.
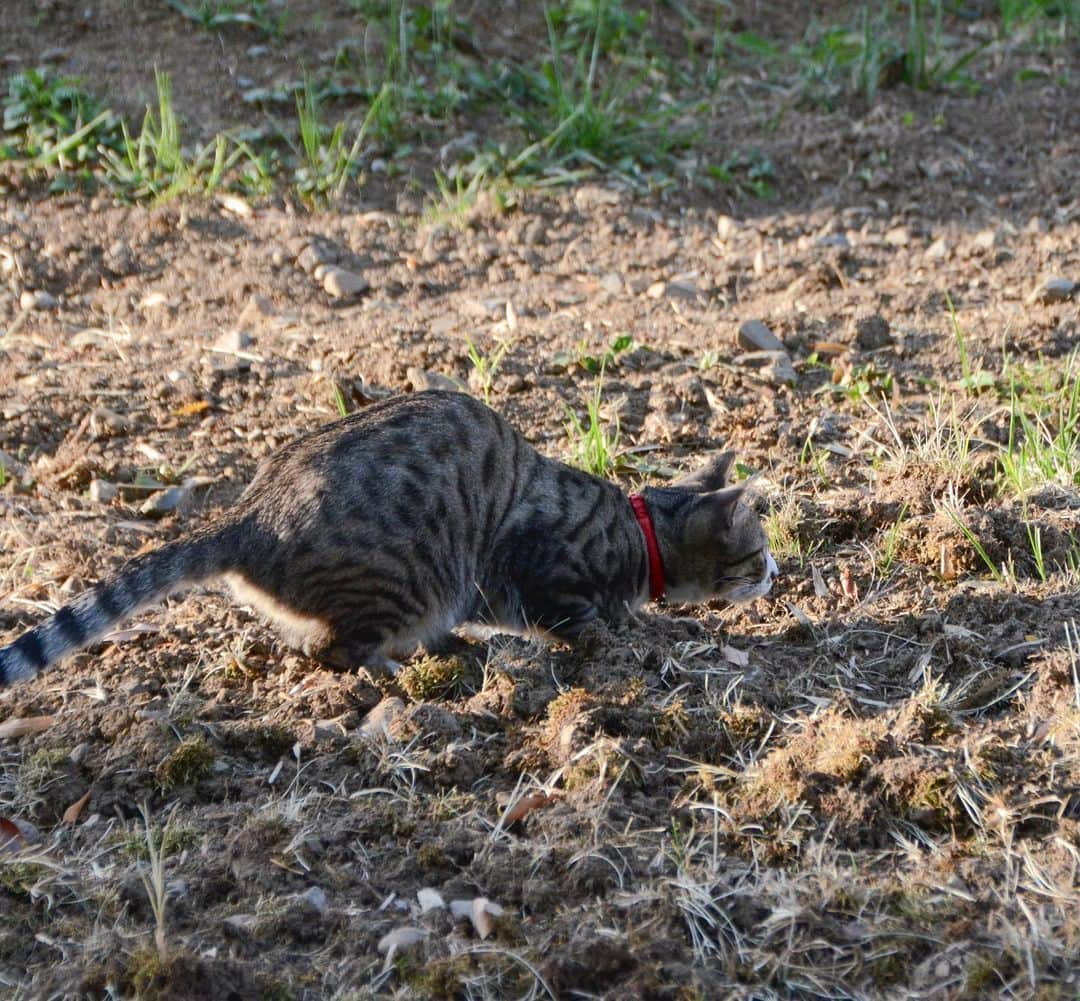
column 487, row 364
column 216, row 14
column 976, row 543
column 594, row 441
column 1044, row 434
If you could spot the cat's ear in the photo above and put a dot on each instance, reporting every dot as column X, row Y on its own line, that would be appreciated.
column 713, row 512
column 712, row 476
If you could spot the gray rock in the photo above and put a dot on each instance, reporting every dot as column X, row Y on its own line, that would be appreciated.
column 102, row 491
column 834, row 241
column 37, row 299
column 872, row 332
column 755, row 336
column 342, row 284
column 315, row 254
column 776, row 366
column 421, row 380
column 1056, row 289
column 316, row 896
column 378, row 721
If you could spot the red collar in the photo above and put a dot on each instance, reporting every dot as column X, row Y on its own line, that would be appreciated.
column 656, row 564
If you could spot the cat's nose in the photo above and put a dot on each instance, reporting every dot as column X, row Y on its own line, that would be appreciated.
column 772, row 571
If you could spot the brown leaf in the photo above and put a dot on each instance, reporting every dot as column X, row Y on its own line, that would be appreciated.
column 524, row 806
column 71, row 814
column 19, row 726
column 847, row 584
column 17, row 834
column 828, row 347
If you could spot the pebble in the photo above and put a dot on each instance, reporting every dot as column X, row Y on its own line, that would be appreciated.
column 258, row 309
column 313, row 255
column 316, row 896
column 898, row 236
column 378, row 721
column 37, row 299
column 938, row 250
column 755, row 336
column 103, row 492
column 987, row 239
column 776, row 365
column 725, row 227
column 592, row 196
column 342, row 284
column 421, row 380
column 430, row 899
column 1056, row 289
column 232, row 341
column 872, row 332
column 834, row 241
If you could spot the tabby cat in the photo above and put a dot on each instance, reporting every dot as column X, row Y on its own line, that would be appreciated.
column 389, row 528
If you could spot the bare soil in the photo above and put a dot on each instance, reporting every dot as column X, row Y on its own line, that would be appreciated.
column 865, row 785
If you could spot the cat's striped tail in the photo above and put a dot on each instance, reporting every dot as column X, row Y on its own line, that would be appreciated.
column 144, row 580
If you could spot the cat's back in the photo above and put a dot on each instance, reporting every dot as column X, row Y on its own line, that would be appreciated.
column 420, row 441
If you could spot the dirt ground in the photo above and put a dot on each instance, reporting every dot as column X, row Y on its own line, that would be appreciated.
column 865, row 785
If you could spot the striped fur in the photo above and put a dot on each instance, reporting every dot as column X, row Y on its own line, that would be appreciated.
column 389, row 528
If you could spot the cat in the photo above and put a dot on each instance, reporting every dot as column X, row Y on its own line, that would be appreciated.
column 387, row 529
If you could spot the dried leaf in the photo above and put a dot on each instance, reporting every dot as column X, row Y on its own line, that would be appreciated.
column 821, row 589
column 72, row 813
column 401, row 938
column 524, row 806
column 829, row 347
column 848, row 586
column 484, row 913
column 739, row 658
column 20, row 726
column 197, row 407
column 17, row 834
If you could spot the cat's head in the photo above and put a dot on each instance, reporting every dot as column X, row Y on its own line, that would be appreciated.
column 712, row 543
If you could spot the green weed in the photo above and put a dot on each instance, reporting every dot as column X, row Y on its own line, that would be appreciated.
column 591, row 363
column 973, row 380
column 52, row 122
column 215, row 14
column 890, row 545
column 594, row 442
column 954, row 514
column 327, row 161
column 1044, row 435
column 486, row 365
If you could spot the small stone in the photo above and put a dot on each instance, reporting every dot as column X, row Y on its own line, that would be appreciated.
column 233, row 341
column 37, row 299
column 776, row 365
column 316, row 896
column 655, row 290
column 153, row 300
column 592, row 196
column 681, row 289
column 313, row 255
column 759, row 263
column 420, row 380
column 234, row 204
column 872, row 332
column 987, row 239
column 612, row 282
column 938, row 250
column 430, row 900
column 726, row 227
column 278, row 257
column 834, row 241
column 755, row 336
column 1056, row 289
column 342, row 284
column 378, row 721
column 258, row 309
column 103, row 492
